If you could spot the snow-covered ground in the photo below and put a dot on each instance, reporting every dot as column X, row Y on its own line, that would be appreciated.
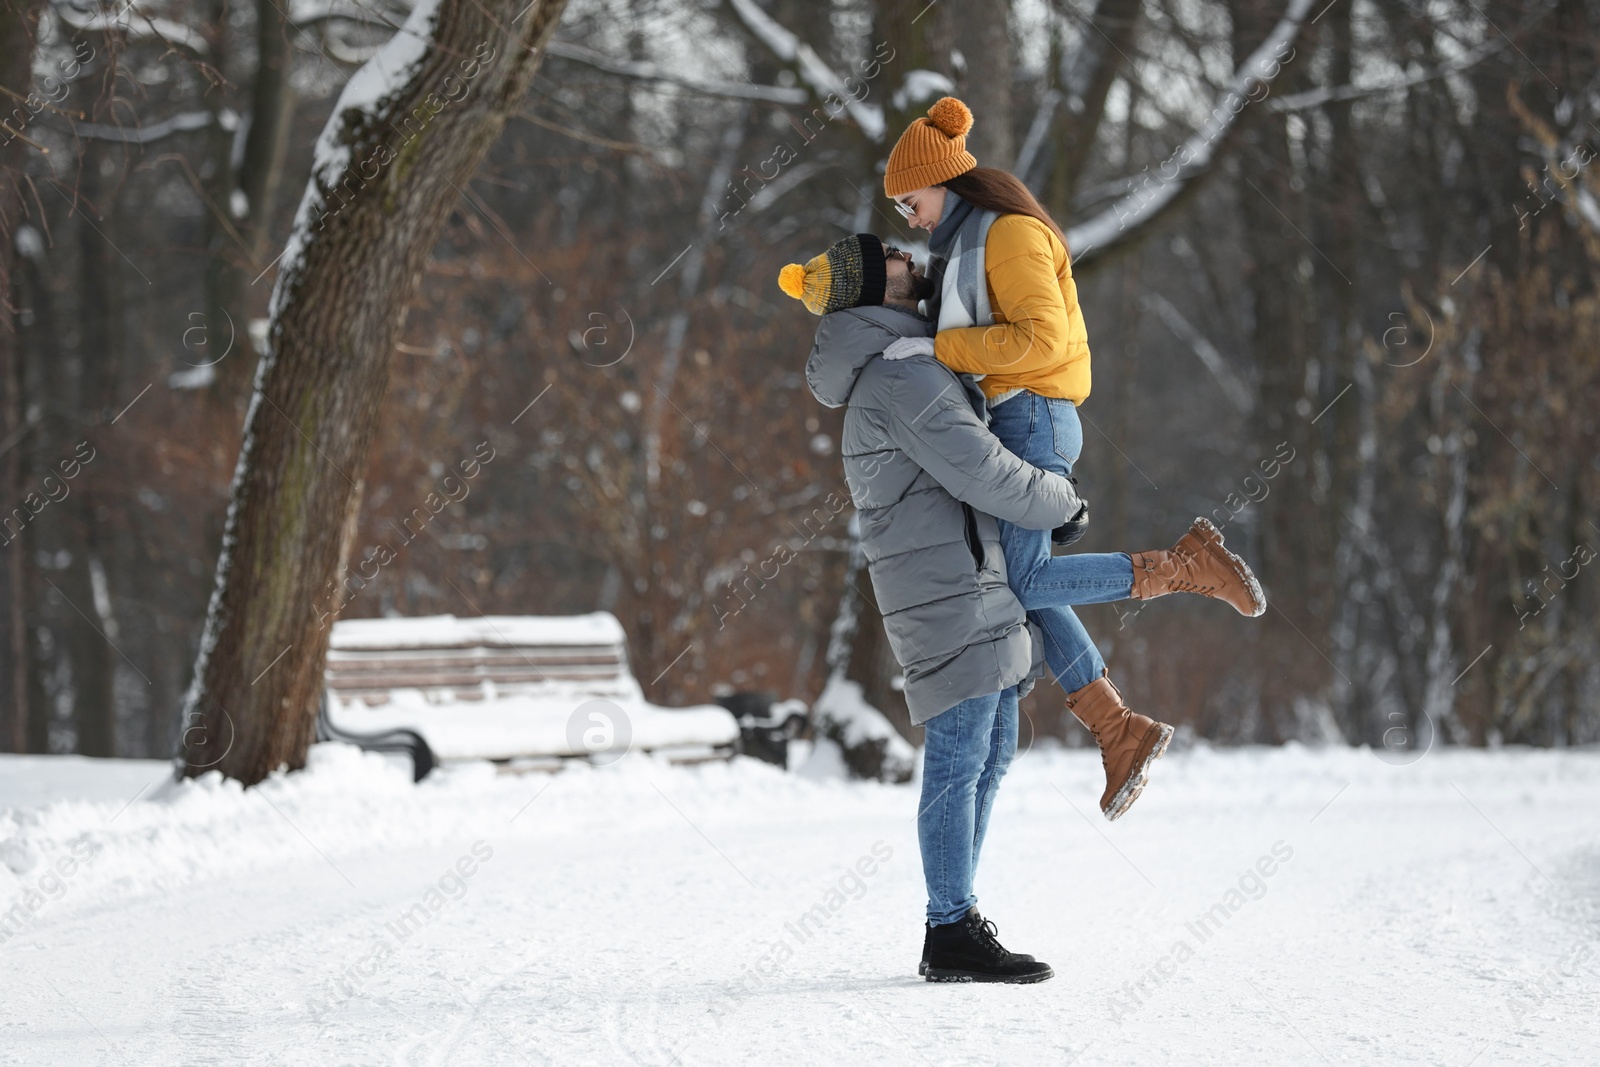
column 1441, row 913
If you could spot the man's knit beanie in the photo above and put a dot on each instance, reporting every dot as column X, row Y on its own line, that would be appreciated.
column 932, row 150
column 850, row 274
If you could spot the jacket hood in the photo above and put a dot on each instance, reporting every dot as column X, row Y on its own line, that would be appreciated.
column 847, row 340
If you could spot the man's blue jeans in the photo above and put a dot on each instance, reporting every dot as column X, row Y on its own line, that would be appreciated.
column 1046, row 432
column 966, row 751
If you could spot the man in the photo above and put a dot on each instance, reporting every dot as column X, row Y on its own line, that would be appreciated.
column 927, row 479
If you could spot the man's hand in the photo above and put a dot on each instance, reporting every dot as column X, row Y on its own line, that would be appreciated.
column 905, row 347
column 1074, row 528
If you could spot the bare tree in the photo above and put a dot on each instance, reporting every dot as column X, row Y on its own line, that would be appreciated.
column 410, row 128
column 19, row 22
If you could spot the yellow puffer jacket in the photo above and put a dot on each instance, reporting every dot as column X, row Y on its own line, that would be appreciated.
column 1038, row 341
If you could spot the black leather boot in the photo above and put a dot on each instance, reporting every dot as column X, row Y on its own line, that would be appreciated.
column 968, row 950
column 927, row 939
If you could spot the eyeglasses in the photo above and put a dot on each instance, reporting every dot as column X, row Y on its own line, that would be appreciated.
column 906, row 210
column 891, row 252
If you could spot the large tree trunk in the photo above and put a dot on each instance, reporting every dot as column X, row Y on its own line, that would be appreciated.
column 41, row 370
column 95, row 373
column 388, row 172
column 19, row 22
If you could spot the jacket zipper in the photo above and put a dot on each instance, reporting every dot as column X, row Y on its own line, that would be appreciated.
column 973, row 543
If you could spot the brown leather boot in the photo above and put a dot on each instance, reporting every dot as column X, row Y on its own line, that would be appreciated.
column 1129, row 742
column 1199, row 564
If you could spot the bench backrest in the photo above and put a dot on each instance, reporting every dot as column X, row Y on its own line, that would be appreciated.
column 450, row 659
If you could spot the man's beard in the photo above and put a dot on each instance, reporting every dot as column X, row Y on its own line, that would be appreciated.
column 908, row 288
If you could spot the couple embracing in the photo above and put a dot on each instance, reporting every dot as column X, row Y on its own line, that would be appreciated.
column 961, row 385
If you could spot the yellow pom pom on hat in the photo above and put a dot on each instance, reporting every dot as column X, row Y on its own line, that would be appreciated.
column 932, row 150
column 792, row 280
column 810, row 284
column 849, row 274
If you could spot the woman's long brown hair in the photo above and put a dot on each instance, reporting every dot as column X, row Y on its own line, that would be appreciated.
column 996, row 190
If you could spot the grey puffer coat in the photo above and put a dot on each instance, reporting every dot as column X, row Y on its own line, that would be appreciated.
column 927, row 479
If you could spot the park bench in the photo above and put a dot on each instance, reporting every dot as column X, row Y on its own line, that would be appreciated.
column 525, row 691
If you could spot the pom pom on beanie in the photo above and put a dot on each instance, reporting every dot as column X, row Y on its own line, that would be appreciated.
column 852, row 273
column 792, row 280
column 932, row 150
column 950, row 117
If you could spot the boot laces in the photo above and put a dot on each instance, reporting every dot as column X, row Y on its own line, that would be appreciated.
column 1105, row 764
column 1185, row 586
column 1094, row 732
column 988, row 935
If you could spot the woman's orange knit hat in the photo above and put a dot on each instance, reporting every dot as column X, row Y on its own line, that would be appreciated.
column 932, row 150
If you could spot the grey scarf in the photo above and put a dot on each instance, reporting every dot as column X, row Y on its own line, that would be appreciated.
column 956, row 250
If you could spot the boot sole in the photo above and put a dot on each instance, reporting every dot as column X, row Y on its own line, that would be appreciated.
column 941, row 974
column 1212, row 537
column 922, row 969
column 1139, row 778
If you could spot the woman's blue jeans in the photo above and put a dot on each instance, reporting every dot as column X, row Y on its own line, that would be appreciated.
column 966, row 752
column 1046, row 432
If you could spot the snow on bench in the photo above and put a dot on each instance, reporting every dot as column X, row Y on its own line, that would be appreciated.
column 510, row 688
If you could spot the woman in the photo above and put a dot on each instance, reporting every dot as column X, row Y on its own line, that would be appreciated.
column 1007, row 310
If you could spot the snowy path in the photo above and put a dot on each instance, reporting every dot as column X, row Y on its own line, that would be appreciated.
column 1439, row 913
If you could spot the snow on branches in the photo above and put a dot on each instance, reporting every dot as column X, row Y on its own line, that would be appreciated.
column 1151, row 195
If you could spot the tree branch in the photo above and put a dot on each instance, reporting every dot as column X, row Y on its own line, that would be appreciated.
column 1028, row 155
column 645, row 71
column 182, row 122
column 1184, row 330
column 1155, row 197
column 1333, row 94
column 137, row 26
column 823, row 79
column 632, row 147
